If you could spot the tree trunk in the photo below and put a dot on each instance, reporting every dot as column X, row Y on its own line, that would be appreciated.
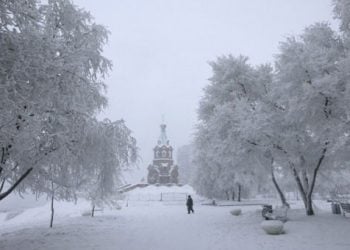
column 3, row 195
column 227, row 195
column 23, row 176
column 2, row 185
column 297, row 179
column 309, row 208
column 306, row 194
column 233, row 194
column 279, row 191
column 239, row 192
column 93, row 210
column 2, row 159
column 300, row 186
column 52, row 208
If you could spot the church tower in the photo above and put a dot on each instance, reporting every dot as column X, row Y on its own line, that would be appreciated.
column 163, row 170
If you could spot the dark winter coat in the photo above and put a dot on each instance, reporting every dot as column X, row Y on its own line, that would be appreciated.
column 189, row 202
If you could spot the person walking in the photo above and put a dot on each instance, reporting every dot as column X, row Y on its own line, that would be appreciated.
column 189, row 204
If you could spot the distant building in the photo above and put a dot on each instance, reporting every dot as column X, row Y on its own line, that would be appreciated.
column 163, row 170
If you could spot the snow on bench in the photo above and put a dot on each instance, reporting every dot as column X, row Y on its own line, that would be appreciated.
column 279, row 213
column 345, row 207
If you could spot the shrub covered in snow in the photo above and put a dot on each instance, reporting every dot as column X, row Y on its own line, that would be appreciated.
column 272, row 226
column 86, row 213
column 236, row 211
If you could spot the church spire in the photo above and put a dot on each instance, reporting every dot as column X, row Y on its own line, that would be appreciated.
column 163, row 139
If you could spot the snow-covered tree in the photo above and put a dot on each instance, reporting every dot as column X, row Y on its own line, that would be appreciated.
column 108, row 149
column 18, row 21
column 342, row 12
column 296, row 119
column 185, row 162
column 51, row 71
column 226, row 113
column 314, row 105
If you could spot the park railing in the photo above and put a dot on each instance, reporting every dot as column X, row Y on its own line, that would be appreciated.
column 163, row 196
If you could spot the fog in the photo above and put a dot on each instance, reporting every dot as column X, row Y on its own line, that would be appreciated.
column 160, row 51
column 271, row 156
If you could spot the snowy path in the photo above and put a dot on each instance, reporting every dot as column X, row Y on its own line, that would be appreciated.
column 164, row 227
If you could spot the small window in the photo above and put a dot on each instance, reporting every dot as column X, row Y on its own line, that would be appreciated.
column 163, row 153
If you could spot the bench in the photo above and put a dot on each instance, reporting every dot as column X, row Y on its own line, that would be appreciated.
column 266, row 211
column 279, row 213
column 345, row 207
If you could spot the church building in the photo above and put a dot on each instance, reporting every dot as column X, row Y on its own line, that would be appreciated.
column 163, row 170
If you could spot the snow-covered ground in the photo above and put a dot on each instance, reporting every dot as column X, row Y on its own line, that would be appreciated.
column 161, row 225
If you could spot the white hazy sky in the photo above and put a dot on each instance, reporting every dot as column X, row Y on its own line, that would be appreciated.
column 160, row 50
